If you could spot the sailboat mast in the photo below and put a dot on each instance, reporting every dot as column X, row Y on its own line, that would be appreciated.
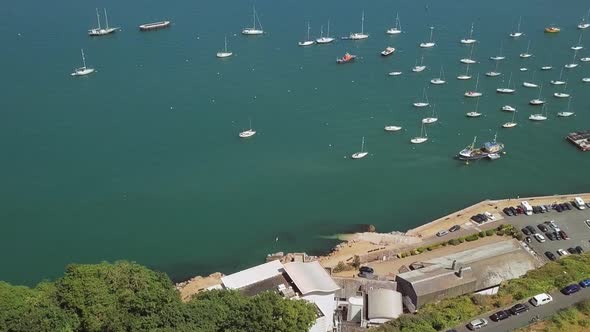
column 83, row 58
column 363, row 23
column 106, row 18
column 308, row 28
column 477, row 82
column 519, row 21
column 98, row 18
column 431, row 32
column 509, row 80
column 471, row 31
column 328, row 34
column 363, row 144
column 253, row 17
column 225, row 42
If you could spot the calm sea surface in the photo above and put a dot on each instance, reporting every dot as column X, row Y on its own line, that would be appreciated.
column 141, row 161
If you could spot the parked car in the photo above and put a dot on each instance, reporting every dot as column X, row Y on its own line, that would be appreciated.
column 514, row 211
column 551, row 224
column 366, row 269
column 541, row 299
column 579, row 250
column 562, row 252
column 558, row 208
column 519, row 210
column 563, row 235
column 477, row 324
column 545, row 208
column 531, row 229
column 442, row 233
column 570, row 289
column 526, row 231
column 519, row 308
column 536, row 209
column 539, row 238
column 568, row 205
column 454, row 228
column 551, row 236
column 542, row 228
column 585, row 283
column 550, row 255
column 571, row 250
column 507, row 212
column 500, row 315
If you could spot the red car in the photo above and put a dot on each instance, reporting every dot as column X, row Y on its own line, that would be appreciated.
column 563, row 235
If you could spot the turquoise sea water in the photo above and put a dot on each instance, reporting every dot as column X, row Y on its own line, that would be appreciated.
column 141, row 160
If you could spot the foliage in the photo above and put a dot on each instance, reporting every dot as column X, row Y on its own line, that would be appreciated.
column 341, row 266
column 129, row 297
column 490, row 232
column 356, row 262
column 472, row 237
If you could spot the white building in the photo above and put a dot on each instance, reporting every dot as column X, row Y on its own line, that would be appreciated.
column 383, row 305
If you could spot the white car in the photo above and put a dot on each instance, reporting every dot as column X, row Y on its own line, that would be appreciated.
column 442, row 233
column 477, row 324
column 562, row 252
column 541, row 299
column 489, row 215
column 539, row 237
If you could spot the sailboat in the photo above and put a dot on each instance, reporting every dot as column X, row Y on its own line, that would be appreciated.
column 573, row 64
column 362, row 154
column 327, row 39
column 526, row 54
column 224, row 53
column 253, row 31
column 567, row 113
column 393, row 128
column 538, row 100
column 530, row 84
column 539, row 116
column 422, row 138
column 585, row 59
column 307, row 42
column 430, row 43
column 469, row 40
column 585, row 21
column 501, row 56
column 508, row 108
column 248, row 133
column 474, row 114
column 432, row 118
column 494, row 72
column 398, row 27
column 506, row 90
column 360, row 35
column 562, row 94
column 586, row 79
column 465, row 76
column 578, row 46
column 558, row 81
column 546, row 67
column 419, row 68
column 422, row 103
column 469, row 60
column 440, row 79
column 510, row 124
column 82, row 71
column 474, row 93
column 95, row 32
column 517, row 33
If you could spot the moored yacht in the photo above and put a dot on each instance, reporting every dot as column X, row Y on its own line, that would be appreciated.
column 362, row 34
column 253, row 30
column 307, row 42
column 517, row 33
column 474, row 114
column 585, row 23
column 423, row 103
column 422, row 138
column 99, row 31
column 538, row 100
column 393, row 128
column 224, row 53
column 469, row 40
column 429, row 43
column 539, row 116
column 506, row 90
column 508, row 108
column 474, row 93
column 512, row 123
column 82, row 71
column 469, row 60
column 526, row 54
column 473, row 153
column 363, row 153
column 440, row 79
column 388, row 51
column 558, row 81
column 325, row 39
column 247, row 133
column 418, row 68
column 465, row 76
column 432, row 118
column 567, row 112
column 398, row 27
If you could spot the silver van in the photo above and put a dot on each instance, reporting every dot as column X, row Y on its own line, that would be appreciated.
column 541, row 299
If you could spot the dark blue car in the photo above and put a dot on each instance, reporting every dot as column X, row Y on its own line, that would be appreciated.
column 585, row 283
column 571, row 289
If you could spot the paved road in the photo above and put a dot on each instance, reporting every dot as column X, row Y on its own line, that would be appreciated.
column 560, row 301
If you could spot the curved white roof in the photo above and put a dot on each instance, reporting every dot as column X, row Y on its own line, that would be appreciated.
column 384, row 304
column 252, row 275
column 310, row 277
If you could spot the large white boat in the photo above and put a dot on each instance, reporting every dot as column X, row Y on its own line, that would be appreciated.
column 526, row 54
column 465, row 76
column 506, row 90
column 388, row 51
column 253, row 31
column 517, row 33
column 422, row 138
column 538, row 100
column 307, row 42
column 512, row 123
column 82, row 71
column 325, row 39
column 225, row 53
column 508, row 108
column 539, row 116
column 248, row 133
column 585, row 59
column 565, row 114
column 558, row 81
column 362, row 34
column 429, row 43
column 469, row 40
column 476, row 113
column 469, row 60
column 99, row 31
column 363, row 153
column 432, row 118
column 440, row 79
column 474, row 93
column 418, row 68
column 424, row 102
column 398, row 27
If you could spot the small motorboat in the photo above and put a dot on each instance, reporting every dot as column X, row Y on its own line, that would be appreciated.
column 546, row 68
column 497, row 58
column 586, row 79
column 388, row 51
column 247, row 133
column 523, row 69
column 509, row 125
column 552, row 29
column 493, row 74
column 508, row 108
column 561, row 95
column 537, row 102
column 395, row 73
column 472, row 94
column 393, row 128
column 529, row 85
column 346, row 58
column 586, row 59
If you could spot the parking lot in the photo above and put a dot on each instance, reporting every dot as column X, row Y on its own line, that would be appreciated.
column 569, row 221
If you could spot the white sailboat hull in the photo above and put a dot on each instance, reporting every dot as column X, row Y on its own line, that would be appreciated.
column 463, row 77
column 468, row 41
column 529, row 85
column 359, row 155
column 586, row 79
column 419, row 140
column 473, row 114
column 427, row 45
column 497, row 58
column 392, row 128
column 537, row 117
column 583, row 25
column 565, row 114
column 571, row 65
column 437, row 81
column 468, row 61
column 393, row 31
column 472, row 94
column 324, row 40
column 576, row 48
column 509, row 125
column 306, row 43
column 420, row 104
column 358, row 36
column 561, row 95
column 516, row 34
column 224, row 54
column 252, row 32
column 508, row 108
column 395, row 73
column 546, row 68
column 429, row 120
column 82, row 71
column 523, row 69
column 418, row 69
column 525, row 55
column 585, row 59
column 537, row 102
column 247, row 133
column 101, row 32
column 505, row 90
column 557, row 82
column 493, row 74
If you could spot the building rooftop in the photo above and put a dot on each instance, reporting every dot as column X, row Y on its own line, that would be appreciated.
column 310, row 277
column 384, row 304
column 252, row 275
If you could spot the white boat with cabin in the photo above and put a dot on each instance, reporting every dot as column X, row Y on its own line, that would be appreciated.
column 392, row 128
column 585, row 23
column 247, row 133
column 253, row 31
column 419, row 68
column 538, row 100
column 363, row 153
column 429, row 43
column 360, row 35
column 432, row 118
column 558, row 81
column 424, row 103
column 398, row 27
column 539, row 116
column 546, row 68
column 573, row 64
column 508, row 108
column 82, row 71
column 469, row 40
column 512, row 123
column 517, row 33
column 578, row 46
column 501, row 56
column 469, row 60
column 440, row 79
column 476, row 113
column 465, row 76
column 395, row 73
column 530, row 84
column 325, row 39
column 506, row 90
column 526, row 54
column 388, row 51
column 474, row 93
column 495, row 72
column 225, row 53
column 566, row 113
column 422, row 138
column 308, row 41
column 99, row 31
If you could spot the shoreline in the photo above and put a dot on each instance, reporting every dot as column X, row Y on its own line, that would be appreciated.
column 374, row 246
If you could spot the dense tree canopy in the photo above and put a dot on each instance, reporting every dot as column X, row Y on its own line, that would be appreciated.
column 129, row 297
